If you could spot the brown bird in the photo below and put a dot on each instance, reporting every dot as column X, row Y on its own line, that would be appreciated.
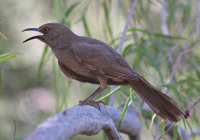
column 92, row 61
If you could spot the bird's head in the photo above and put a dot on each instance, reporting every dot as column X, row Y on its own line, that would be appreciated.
column 52, row 33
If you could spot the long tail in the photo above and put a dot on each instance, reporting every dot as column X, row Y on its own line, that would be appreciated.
column 159, row 102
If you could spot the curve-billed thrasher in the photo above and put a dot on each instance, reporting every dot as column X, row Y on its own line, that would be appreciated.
column 92, row 61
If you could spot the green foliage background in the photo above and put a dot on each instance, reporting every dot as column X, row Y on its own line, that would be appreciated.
column 33, row 86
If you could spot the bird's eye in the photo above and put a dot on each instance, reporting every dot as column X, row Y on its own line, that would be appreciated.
column 46, row 29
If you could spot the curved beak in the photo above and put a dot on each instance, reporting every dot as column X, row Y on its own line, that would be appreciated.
column 34, row 37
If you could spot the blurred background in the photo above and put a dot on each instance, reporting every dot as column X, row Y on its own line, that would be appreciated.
column 157, row 43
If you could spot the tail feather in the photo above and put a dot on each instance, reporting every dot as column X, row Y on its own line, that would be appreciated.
column 159, row 102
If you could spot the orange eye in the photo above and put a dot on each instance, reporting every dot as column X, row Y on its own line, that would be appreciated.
column 46, row 29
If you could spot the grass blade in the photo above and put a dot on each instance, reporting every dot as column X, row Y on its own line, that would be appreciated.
column 86, row 26
column 178, row 129
column 8, row 54
column 183, row 119
column 162, row 129
column 153, row 63
column 157, row 34
column 152, row 120
column 107, row 19
column 175, row 131
column 128, row 103
column 70, row 9
column 190, row 129
column 42, row 61
column 0, row 80
column 137, row 58
column 109, row 94
column 6, row 58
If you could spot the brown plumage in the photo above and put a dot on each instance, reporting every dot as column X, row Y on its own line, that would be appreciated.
column 92, row 61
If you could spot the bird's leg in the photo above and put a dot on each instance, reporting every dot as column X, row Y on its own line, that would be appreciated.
column 103, row 86
column 89, row 101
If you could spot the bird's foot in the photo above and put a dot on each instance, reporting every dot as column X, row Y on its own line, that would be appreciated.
column 92, row 103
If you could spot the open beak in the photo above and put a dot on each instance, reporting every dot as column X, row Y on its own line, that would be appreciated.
column 34, row 37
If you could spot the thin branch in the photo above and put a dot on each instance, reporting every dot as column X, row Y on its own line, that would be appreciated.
column 112, row 98
column 183, row 30
column 190, row 102
column 178, row 41
column 178, row 61
column 15, row 129
column 87, row 120
column 164, row 19
column 126, row 26
column 192, row 105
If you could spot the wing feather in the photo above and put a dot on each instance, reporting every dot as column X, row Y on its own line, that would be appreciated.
column 104, row 60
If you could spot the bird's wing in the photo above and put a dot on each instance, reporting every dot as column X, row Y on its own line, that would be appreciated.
column 104, row 60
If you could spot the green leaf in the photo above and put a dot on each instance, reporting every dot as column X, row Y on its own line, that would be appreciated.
column 152, row 120
column 175, row 131
column 137, row 58
column 8, row 54
column 169, row 37
column 153, row 63
column 128, row 103
column 127, row 49
column 70, row 9
column 6, row 58
column 86, row 26
column 178, row 129
column 190, row 129
column 0, row 80
column 62, row 11
column 42, row 61
column 162, row 129
column 149, row 114
column 183, row 119
column 107, row 18
column 157, row 34
column 137, row 30
column 109, row 94
column 175, row 91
